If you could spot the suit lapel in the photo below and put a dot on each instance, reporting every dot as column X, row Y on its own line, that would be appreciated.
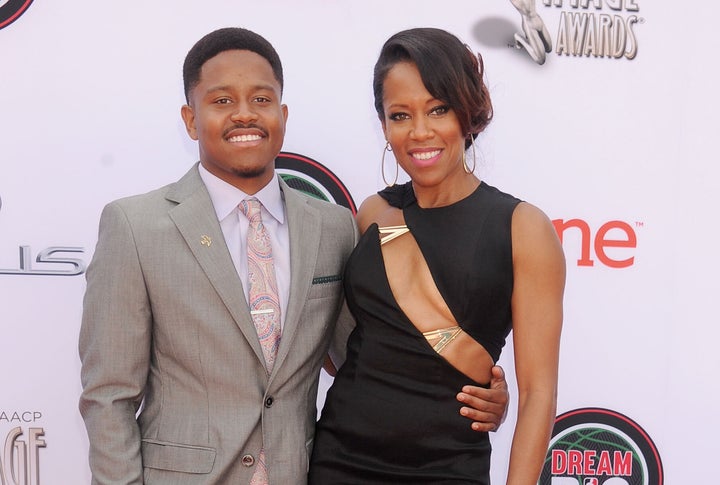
column 304, row 234
column 195, row 219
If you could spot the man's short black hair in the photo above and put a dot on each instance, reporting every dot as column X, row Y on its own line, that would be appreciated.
column 225, row 39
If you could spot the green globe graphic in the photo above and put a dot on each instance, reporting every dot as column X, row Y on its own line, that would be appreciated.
column 601, row 452
column 304, row 186
column 596, row 446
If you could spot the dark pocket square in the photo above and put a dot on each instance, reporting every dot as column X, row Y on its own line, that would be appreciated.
column 321, row 280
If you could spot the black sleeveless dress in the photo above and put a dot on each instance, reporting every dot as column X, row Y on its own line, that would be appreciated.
column 391, row 415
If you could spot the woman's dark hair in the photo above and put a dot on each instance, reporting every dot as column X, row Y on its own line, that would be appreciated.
column 226, row 39
column 450, row 71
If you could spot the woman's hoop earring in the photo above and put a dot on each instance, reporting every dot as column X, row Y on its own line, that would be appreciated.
column 388, row 148
column 467, row 169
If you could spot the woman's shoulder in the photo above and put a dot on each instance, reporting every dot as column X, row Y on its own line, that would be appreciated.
column 370, row 210
column 399, row 196
column 533, row 232
column 527, row 214
column 383, row 206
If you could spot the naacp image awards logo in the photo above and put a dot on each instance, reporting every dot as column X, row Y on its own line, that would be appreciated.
column 585, row 28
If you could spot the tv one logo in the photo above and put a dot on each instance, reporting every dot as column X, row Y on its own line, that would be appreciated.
column 613, row 243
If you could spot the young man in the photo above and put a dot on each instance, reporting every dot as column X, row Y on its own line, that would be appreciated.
column 171, row 315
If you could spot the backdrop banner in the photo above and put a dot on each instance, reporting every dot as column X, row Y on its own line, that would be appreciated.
column 609, row 131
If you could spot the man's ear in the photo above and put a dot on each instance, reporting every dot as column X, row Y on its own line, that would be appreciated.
column 284, row 109
column 188, row 116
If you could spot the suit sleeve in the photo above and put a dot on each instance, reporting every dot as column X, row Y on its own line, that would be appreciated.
column 114, row 346
column 346, row 322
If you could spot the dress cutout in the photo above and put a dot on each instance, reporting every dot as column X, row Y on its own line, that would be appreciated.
column 391, row 415
column 423, row 287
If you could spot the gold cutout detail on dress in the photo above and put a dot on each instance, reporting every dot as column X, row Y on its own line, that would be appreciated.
column 444, row 336
column 389, row 233
column 409, row 278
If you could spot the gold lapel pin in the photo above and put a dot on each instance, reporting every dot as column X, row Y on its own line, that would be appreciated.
column 205, row 240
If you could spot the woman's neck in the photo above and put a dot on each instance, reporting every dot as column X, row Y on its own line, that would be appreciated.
column 446, row 193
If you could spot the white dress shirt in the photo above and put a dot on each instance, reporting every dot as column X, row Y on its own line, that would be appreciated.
column 234, row 225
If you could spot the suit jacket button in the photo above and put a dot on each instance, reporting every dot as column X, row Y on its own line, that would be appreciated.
column 248, row 460
column 269, row 401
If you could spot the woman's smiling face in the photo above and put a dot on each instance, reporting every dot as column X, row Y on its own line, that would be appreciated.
column 424, row 132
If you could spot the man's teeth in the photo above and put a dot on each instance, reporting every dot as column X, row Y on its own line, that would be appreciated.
column 244, row 138
column 426, row 155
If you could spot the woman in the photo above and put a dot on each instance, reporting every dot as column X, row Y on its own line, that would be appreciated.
column 446, row 265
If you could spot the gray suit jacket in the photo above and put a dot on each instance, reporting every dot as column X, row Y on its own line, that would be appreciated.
column 166, row 324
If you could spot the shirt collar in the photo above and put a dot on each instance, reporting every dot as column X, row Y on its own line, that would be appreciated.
column 226, row 197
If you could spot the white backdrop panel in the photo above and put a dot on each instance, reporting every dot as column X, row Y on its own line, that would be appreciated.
column 91, row 92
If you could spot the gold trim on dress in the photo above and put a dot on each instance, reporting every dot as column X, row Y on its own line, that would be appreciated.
column 391, row 232
column 444, row 336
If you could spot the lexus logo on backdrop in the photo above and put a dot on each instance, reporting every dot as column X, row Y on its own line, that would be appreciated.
column 10, row 10
column 54, row 261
